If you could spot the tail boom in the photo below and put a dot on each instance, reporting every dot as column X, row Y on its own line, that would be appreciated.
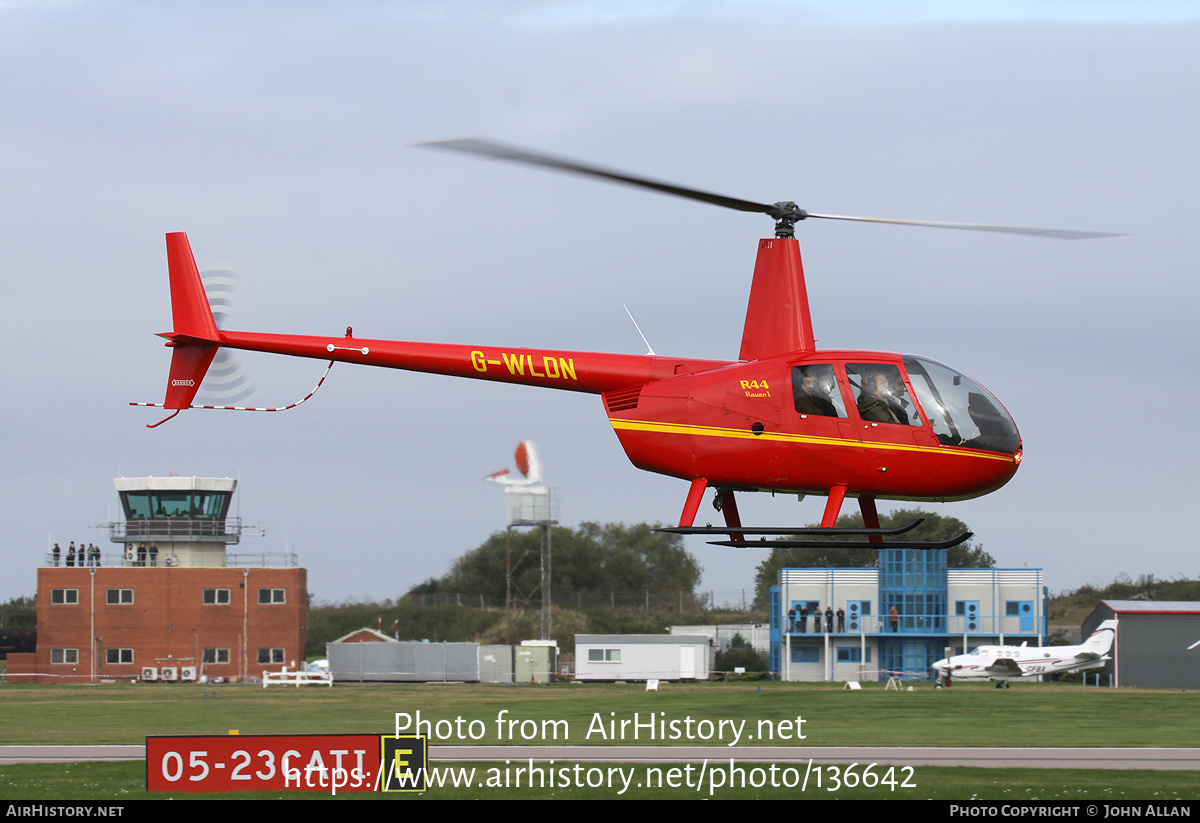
column 196, row 338
column 588, row 372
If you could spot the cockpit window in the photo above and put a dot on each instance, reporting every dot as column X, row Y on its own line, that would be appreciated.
column 961, row 411
column 815, row 391
column 880, row 394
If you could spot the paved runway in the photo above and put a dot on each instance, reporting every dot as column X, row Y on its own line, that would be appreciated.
column 1167, row 759
column 69, row 754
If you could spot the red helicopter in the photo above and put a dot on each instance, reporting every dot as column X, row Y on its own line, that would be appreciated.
column 784, row 417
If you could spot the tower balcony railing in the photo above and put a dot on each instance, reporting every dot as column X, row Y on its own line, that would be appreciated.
column 228, row 530
column 165, row 559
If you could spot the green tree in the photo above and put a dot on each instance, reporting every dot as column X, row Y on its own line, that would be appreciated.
column 596, row 557
column 740, row 654
column 1072, row 607
column 19, row 613
column 935, row 528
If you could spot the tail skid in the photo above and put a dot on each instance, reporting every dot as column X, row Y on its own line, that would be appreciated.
column 238, row 408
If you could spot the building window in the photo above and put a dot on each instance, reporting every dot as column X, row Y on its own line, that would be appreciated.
column 120, row 597
column 604, row 655
column 268, row 656
column 69, row 657
column 216, row 597
column 219, row 655
column 64, row 597
column 118, row 656
column 967, row 614
column 267, row 596
column 1012, row 608
column 806, row 654
column 852, row 654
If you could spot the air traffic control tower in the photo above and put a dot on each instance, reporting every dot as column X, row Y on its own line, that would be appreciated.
column 173, row 604
column 186, row 518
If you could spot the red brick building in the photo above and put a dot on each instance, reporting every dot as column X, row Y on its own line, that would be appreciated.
column 173, row 604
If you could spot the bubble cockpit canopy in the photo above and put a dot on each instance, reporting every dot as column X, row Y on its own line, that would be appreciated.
column 961, row 412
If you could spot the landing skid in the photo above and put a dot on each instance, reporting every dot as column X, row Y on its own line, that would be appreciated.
column 825, row 537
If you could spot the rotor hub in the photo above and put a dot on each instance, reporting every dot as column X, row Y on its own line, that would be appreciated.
column 786, row 214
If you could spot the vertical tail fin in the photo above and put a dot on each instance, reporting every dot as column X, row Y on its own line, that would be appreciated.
column 195, row 337
column 1101, row 640
column 190, row 311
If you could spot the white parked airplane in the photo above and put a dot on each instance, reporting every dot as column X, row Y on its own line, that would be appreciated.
column 1004, row 663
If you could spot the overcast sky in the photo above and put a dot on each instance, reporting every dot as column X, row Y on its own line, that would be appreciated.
column 276, row 135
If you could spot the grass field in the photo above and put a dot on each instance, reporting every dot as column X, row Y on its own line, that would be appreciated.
column 972, row 715
column 967, row 715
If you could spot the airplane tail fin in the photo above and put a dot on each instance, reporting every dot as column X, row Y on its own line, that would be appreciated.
column 195, row 338
column 1101, row 640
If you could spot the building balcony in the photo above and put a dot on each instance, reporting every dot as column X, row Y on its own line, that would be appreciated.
column 182, row 529
column 131, row 558
column 922, row 626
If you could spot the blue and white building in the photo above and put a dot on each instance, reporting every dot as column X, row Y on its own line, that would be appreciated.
column 938, row 610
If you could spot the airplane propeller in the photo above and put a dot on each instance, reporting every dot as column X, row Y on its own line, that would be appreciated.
column 785, row 213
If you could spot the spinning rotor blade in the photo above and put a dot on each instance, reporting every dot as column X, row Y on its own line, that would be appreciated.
column 477, row 145
column 226, row 383
column 1057, row 234
column 785, row 213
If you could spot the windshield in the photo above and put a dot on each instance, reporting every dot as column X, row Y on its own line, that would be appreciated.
column 961, row 411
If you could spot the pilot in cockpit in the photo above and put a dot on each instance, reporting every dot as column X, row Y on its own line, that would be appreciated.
column 878, row 402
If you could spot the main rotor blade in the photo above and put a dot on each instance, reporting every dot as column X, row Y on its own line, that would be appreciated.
column 1057, row 234
column 786, row 212
column 487, row 148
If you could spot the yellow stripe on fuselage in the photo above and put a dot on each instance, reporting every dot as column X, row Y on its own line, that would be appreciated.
column 788, row 437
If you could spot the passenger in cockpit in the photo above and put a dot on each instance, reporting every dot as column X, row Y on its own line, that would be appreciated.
column 811, row 389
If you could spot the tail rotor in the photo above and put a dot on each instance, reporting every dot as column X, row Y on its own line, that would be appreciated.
column 227, row 383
